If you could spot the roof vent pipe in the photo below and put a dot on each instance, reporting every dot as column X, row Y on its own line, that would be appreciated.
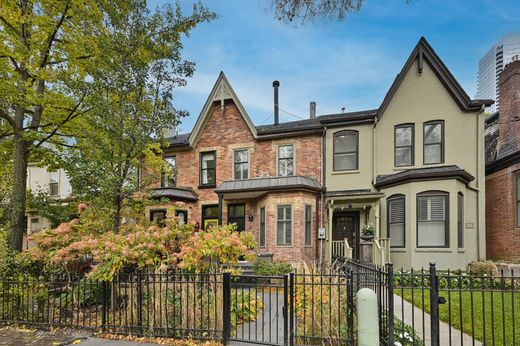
column 312, row 111
column 276, row 84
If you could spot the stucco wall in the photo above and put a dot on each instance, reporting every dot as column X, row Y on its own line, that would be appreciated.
column 421, row 98
column 446, row 258
column 360, row 178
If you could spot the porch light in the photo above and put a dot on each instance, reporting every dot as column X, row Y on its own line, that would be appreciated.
column 250, row 217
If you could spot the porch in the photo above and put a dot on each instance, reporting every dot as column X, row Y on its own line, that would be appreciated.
column 348, row 213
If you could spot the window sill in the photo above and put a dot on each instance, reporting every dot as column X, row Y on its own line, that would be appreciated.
column 461, row 250
column 212, row 186
column 433, row 249
column 403, row 168
column 350, row 171
column 398, row 249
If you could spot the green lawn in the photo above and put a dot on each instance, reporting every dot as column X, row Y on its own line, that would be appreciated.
column 495, row 309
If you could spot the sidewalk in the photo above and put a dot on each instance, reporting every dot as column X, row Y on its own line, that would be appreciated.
column 411, row 311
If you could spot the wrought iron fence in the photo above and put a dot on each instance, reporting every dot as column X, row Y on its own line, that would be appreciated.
column 431, row 307
column 309, row 308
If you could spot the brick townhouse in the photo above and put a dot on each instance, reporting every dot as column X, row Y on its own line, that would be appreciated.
column 503, row 169
column 412, row 170
column 265, row 179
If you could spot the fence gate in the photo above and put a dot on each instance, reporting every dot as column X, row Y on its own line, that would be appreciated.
column 256, row 309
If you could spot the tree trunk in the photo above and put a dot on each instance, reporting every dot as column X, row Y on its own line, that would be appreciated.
column 18, row 192
column 117, row 214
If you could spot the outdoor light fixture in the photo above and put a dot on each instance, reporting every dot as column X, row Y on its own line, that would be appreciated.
column 251, row 217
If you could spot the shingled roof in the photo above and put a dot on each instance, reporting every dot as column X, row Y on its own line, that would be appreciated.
column 491, row 137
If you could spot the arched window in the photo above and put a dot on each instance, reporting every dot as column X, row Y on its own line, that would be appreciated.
column 346, row 150
column 432, row 219
column 396, row 220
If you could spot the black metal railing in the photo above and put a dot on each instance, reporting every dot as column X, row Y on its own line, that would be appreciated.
column 139, row 303
column 432, row 307
column 324, row 307
column 310, row 307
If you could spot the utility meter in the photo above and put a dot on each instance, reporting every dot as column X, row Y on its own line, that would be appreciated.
column 321, row 233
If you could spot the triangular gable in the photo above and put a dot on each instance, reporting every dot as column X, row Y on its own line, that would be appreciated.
column 422, row 53
column 221, row 92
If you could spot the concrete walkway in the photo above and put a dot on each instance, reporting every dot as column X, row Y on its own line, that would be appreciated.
column 268, row 328
column 410, row 311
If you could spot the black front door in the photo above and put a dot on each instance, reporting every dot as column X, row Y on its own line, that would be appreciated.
column 237, row 215
column 345, row 225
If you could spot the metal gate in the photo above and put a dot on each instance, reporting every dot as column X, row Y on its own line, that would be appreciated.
column 256, row 309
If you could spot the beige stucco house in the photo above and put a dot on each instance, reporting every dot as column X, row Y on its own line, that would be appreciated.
column 413, row 169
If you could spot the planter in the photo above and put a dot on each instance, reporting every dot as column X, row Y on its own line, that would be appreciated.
column 367, row 237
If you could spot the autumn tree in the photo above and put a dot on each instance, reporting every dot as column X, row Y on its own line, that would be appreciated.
column 139, row 66
column 44, row 63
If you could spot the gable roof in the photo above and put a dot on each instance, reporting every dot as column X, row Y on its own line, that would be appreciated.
column 221, row 91
column 424, row 52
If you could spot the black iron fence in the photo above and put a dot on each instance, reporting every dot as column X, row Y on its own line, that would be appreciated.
column 432, row 307
column 311, row 308
column 316, row 307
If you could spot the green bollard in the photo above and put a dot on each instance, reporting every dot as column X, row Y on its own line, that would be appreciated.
column 367, row 318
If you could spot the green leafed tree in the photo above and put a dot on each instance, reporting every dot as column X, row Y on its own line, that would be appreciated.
column 60, row 60
column 45, row 57
column 139, row 65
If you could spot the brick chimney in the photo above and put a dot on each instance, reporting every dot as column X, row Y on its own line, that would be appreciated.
column 509, row 114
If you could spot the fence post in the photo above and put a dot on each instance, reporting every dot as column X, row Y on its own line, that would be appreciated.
column 291, row 309
column 434, row 305
column 285, row 308
column 390, row 312
column 226, row 309
column 104, row 313
column 139, row 303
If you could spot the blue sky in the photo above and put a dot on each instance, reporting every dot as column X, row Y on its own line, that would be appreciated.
column 337, row 64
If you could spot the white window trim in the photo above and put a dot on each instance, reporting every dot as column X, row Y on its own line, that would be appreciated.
column 57, row 182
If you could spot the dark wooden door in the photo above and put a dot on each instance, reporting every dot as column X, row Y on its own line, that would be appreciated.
column 345, row 225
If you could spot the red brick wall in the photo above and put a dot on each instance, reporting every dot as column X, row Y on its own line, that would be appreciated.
column 225, row 131
column 509, row 88
column 502, row 236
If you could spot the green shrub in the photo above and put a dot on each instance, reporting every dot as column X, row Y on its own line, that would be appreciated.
column 263, row 267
